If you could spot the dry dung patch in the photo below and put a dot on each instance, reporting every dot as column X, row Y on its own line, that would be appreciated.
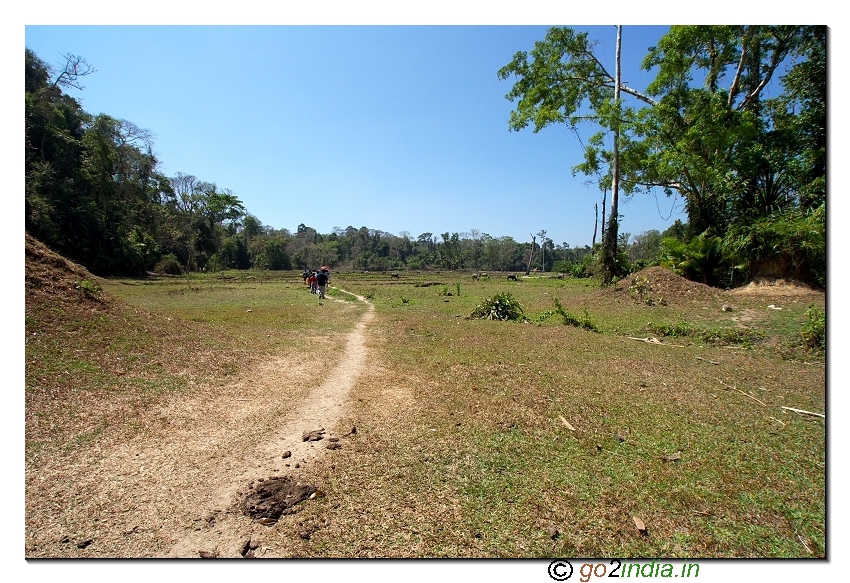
column 271, row 498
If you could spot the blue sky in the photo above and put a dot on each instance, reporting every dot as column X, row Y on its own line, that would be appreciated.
column 397, row 128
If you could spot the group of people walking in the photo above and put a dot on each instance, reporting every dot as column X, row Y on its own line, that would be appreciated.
column 318, row 281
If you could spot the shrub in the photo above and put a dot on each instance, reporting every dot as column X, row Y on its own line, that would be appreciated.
column 672, row 330
column 573, row 320
column 722, row 336
column 641, row 290
column 501, row 306
column 570, row 319
column 814, row 330
column 169, row 264
column 787, row 244
column 585, row 268
column 700, row 259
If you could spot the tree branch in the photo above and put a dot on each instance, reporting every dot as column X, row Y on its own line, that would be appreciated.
column 778, row 55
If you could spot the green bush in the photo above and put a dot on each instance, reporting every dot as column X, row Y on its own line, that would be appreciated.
column 169, row 264
column 814, row 330
column 501, row 306
column 641, row 291
column 570, row 319
column 789, row 244
column 700, row 259
column 671, row 330
column 584, row 268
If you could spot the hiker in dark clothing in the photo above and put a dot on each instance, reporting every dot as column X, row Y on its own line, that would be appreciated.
column 322, row 281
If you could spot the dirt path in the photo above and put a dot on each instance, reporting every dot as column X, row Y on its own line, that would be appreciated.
column 175, row 488
column 227, row 532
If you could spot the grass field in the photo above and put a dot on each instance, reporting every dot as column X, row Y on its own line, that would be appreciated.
column 481, row 438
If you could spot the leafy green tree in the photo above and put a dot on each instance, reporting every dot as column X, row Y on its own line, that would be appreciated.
column 561, row 81
column 703, row 128
column 709, row 136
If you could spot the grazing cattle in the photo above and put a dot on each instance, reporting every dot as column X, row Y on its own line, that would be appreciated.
column 512, row 277
column 394, row 275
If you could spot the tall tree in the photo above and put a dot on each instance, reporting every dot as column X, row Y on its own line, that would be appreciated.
column 703, row 128
column 561, row 80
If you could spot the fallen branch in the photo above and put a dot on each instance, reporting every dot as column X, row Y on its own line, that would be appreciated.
column 706, row 360
column 750, row 396
column 655, row 341
column 808, row 550
column 742, row 392
column 804, row 412
column 566, row 423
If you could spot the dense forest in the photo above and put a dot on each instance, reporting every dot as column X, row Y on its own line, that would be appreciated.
column 751, row 170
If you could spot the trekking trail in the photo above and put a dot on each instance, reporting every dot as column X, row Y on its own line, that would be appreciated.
column 226, row 532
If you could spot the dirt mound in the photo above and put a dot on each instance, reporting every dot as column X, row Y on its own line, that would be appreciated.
column 772, row 287
column 657, row 283
column 51, row 277
column 273, row 497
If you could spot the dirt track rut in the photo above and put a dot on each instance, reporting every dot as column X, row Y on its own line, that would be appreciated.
column 226, row 531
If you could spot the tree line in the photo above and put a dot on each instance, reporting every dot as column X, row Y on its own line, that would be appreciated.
column 94, row 193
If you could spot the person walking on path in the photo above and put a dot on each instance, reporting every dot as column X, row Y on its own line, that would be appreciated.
column 322, row 283
column 313, row 284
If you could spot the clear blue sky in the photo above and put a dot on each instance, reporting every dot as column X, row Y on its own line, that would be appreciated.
column 397, row 128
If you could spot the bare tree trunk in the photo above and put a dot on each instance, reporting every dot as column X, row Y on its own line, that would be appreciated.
column 595, row 223
column 610, row 239
column 530, row 255
column 604, row 200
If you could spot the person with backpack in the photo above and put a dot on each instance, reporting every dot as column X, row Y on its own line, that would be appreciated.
column 322, row 283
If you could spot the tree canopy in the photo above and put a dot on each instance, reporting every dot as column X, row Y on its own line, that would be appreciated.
column 702, row 128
